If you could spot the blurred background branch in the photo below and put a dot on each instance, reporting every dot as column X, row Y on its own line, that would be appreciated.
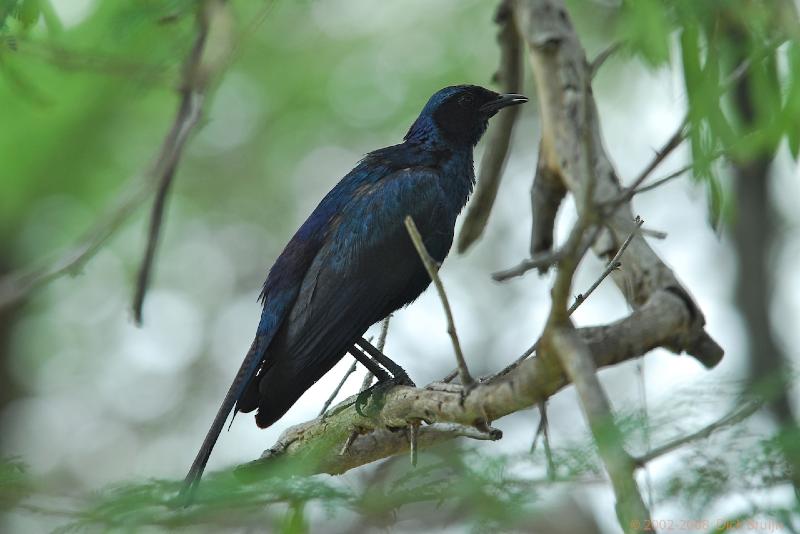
column 509, row 77
column 201, row 67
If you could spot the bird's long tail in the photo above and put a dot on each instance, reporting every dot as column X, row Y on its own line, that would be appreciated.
column 243, row 376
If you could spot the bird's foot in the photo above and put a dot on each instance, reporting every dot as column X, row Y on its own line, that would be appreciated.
column 401, row 379
column 379, row 390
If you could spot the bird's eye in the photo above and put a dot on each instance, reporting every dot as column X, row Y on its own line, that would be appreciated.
column 465, row 100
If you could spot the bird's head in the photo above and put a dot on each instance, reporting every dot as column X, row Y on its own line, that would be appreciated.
column 458, row 115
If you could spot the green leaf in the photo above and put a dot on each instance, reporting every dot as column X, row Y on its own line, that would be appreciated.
column 715, row 202
column 28, row 12
column 645, row 26
column 791, row 106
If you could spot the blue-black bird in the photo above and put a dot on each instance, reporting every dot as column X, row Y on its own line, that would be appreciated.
column 352, row 262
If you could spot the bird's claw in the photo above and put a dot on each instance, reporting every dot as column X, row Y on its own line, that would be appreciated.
column 379, row 390
column 402, row 380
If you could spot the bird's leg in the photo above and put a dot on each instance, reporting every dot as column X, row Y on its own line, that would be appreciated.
column 371, row 365
column 376, row 362
column 398, row 372
column 380, row 373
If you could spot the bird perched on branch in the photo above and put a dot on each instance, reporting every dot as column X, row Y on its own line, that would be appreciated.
column 352, row 263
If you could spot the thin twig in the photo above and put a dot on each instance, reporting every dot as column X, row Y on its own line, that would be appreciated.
column 538, row 433
column 548, row 453
column 384, row 333
column 730, row 419
column 338, row 388
column 601, row 58
column 611, row 267
column 350, row 439
column 17, row 286
column 450, row 376
column 524, row 356
column 580, row 299
column 672, row 143
column 675, row 140
column 661, row 181
column 640, row 374
column 540, row 262
column 655, row 234
column 194, row 85
column 430, row 266
column 544, row 431
column 576, row 243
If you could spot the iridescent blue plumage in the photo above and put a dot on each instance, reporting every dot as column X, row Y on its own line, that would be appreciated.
column 352, row 263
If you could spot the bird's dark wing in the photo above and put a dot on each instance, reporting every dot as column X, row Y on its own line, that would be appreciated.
column 366, row 268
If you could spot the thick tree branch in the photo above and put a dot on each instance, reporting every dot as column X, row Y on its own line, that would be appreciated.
column 561, row 70
column 578, row 363
column 573, row 151
column 663, row 320
column 547, row 193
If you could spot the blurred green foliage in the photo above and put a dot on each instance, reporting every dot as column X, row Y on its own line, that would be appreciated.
column 85, row 106
column 717, row 44
column 450, row 486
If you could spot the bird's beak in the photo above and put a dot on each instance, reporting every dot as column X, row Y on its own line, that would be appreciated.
column 502, row 101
